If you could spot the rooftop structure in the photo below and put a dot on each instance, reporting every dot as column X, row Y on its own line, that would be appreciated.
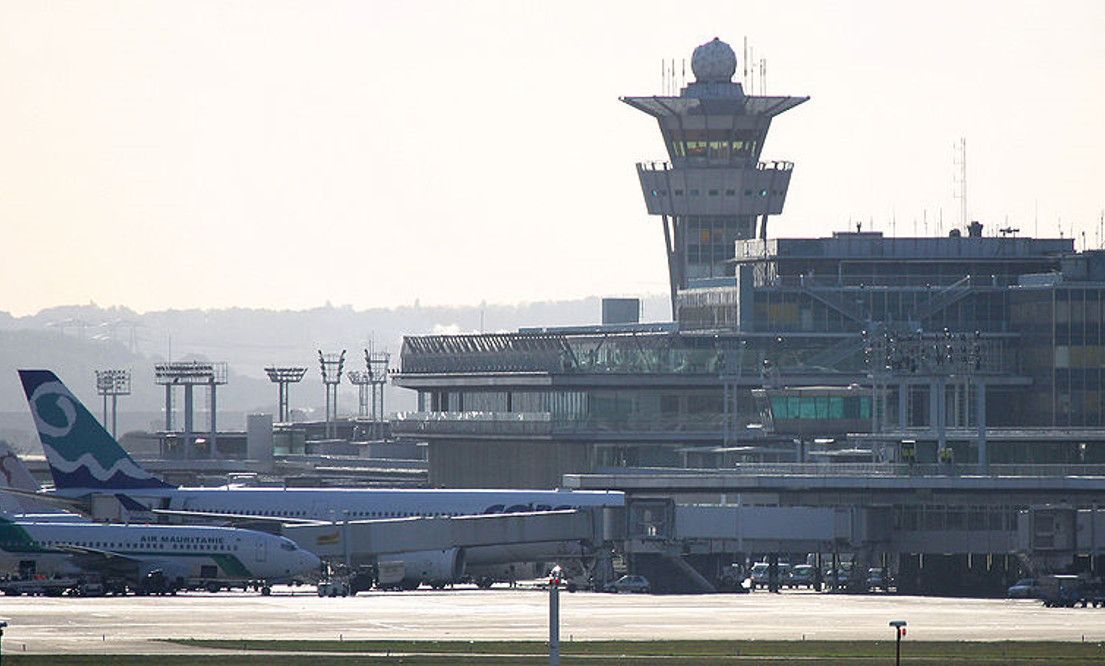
column 714, row 190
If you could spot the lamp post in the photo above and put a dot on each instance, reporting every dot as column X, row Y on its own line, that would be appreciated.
column 2, row 625
column 554, row 616
column 899, row 628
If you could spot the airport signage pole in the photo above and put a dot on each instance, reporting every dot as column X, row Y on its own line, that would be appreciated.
column 554, row 616
column 899, row 627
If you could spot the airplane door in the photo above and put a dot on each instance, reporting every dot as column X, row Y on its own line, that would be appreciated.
column 260, row 550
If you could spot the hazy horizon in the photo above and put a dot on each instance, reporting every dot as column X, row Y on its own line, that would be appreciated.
column 281, row 155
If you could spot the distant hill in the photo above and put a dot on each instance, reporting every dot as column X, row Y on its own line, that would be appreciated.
column 74, row 341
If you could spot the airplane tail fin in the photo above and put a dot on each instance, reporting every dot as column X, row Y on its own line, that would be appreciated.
column 80, row 452
column 14, row 474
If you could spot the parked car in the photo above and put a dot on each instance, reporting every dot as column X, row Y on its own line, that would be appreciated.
column 843, row 576
column 877, row 580
column 630, row 583
column 733, row 579
column 1024, row 588
column 761, row 574
column 802, row 575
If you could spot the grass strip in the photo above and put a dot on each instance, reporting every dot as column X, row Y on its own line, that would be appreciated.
column 999, row 650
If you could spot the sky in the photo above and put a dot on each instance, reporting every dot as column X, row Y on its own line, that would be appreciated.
column 269, row 154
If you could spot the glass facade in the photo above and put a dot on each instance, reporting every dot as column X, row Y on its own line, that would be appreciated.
column 645, row 410
column 1063, row 350
column 821, row 407
column 708, row 242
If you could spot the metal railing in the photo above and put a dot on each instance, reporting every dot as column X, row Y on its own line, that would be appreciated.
column 916, row 469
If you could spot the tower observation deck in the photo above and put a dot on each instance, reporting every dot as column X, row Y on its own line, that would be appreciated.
column 714, row 190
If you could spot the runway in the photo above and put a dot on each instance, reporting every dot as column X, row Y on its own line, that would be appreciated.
column 134, row 624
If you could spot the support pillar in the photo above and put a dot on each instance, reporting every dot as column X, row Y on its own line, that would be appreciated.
column 168, row 407
column 214, row 426
column 114, row 414
column 980, row 411
column 188, row 424
column 903, row 406
column 942, row 414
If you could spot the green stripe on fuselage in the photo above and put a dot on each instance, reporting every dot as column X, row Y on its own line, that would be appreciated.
column 15, row 539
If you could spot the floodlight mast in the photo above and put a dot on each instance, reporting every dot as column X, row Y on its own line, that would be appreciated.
column 112, row 383
column 378, row 366
column 331, row 365
column 362, row 381
column 190, row 374
column 283, row 376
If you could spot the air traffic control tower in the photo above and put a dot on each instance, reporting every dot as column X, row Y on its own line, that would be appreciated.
column 715, row 190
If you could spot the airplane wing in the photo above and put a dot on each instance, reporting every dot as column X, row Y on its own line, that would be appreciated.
column 68, row 503
column 259, row 523
column 101, row 561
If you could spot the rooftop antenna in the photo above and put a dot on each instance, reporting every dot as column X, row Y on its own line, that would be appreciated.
column 926, row 221
column 960, row 160
column 683, row 75
column 763, row 76
column 744, row 78
column 752, row 81
column 1036, row 219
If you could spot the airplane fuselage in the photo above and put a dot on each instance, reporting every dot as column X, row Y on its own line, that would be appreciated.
column 130, row 551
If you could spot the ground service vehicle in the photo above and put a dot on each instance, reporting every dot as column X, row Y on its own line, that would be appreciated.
column 630, row 583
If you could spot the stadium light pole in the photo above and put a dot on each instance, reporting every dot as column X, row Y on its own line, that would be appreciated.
column 899, row 628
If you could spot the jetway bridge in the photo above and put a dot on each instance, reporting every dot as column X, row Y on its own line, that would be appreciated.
column 686, row 547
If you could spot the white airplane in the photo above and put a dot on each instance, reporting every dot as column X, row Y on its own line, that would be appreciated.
column 173, row 555
column 85, row 461
column 57, row 544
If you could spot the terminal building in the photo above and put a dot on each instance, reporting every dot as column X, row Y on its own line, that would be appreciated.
column 972, row 348
column 942, row 384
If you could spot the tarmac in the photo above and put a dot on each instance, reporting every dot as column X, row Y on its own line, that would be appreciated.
column 134, row 625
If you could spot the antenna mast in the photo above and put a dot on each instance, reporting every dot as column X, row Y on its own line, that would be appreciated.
column 961, row 161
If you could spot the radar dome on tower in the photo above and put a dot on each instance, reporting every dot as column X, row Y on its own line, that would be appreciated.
column 714, row 61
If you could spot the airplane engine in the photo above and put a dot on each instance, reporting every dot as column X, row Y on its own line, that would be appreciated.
column 435, row 567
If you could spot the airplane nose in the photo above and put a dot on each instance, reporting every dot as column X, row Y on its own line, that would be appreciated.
column 311, row 562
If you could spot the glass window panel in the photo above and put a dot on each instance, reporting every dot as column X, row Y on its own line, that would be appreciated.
column 822, row 407
column 809, row 408
column 793, row 406
column 779, row 408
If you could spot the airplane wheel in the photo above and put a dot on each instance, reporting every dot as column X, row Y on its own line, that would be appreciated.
column 266, row 591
